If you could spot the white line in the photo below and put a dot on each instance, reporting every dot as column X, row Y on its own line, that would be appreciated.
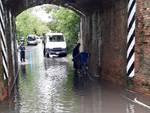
column 142, row 104
column 3, row 36
column 132, row 74
column 4, row 76
column 3, row 49
column 131, row 14
column 136, row 101
column 130, row 47
column 130, row 62
column 1, row 16
column 131, row 31
column 1, row 5
column 129, row 4
column 5, row 67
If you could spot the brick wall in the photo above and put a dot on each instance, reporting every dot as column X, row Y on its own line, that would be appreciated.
column 114, row 34
column 142, row 48
column 104, row 36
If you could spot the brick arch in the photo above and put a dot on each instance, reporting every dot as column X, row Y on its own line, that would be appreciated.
column 18, row 6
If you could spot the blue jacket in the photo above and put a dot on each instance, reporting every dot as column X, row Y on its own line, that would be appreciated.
column 22, row 47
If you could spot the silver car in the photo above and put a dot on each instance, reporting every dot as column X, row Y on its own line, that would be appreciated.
column 31, row 40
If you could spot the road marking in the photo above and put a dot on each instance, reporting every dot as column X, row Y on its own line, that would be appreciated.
column 137, row 102
column 142, row 104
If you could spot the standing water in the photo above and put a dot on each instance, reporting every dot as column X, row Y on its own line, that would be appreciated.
column 48, row 85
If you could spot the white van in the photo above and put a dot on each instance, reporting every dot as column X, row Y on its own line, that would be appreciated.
column 55, row 44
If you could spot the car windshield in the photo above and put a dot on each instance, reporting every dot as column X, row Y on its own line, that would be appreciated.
column 56, row 38
column 31, row 38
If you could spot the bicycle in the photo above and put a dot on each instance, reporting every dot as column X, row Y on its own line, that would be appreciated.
column 82, row 63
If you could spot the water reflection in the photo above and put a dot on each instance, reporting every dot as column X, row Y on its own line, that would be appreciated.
column 23, row 71
column 80, row 83
column 130, row 108
column 51, row 86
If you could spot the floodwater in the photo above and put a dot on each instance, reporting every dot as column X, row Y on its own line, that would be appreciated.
column 48, row 85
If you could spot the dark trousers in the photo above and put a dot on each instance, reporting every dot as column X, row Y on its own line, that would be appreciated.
column 76, row 63
column 22, row 56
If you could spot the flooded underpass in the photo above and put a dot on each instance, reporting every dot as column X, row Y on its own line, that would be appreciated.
column 48, row 85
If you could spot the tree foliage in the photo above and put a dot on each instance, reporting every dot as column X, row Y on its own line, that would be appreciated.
column 67, row 22
column 62, row 20
column 27, row 23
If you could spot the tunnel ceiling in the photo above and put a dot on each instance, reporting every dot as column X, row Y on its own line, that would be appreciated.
column 17, row 6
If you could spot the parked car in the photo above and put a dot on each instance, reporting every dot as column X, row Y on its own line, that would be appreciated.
column 55, row 44
column 32, row 40
column 38, row 39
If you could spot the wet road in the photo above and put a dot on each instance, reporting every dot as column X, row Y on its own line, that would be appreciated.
column 48, row 85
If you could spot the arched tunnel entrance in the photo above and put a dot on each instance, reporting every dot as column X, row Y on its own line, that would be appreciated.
column 103, row 34
column 94, row 26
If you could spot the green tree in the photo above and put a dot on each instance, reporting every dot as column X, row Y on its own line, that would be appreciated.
column 67, row 22
column 63, row 20
column 27, row 23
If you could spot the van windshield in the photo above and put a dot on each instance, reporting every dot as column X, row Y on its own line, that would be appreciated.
column 31, row 38
column 56, row 38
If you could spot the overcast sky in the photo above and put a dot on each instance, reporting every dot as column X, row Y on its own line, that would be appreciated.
column 39, row 12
